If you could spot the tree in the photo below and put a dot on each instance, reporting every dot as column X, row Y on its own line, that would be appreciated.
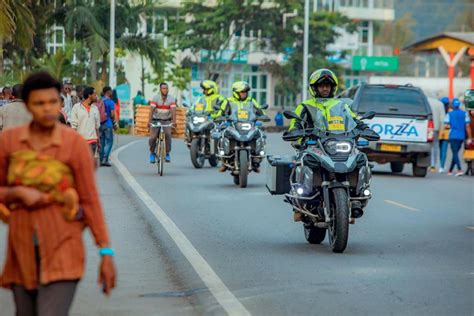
column 16, row 25
column 218, row 28
column 322, row 32
column 215, row 29
column 88, row 22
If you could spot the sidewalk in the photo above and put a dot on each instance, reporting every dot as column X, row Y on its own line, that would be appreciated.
column 145, row 279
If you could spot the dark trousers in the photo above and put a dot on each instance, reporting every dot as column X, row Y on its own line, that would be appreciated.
column 154, row 133
column 455, row 148
column 54, row 299
column 106, row 142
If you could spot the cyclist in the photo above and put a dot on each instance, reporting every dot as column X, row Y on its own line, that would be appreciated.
column 163, row 110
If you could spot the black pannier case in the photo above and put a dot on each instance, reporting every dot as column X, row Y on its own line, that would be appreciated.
column 278, row 174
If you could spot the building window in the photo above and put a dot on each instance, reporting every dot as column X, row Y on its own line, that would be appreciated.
column 56, row 39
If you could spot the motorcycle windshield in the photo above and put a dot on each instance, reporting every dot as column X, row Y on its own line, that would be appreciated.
column 338, row 120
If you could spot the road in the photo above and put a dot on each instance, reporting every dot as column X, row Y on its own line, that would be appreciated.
column 411, row 254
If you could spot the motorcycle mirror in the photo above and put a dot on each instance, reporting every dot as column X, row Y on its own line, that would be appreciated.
column 370, row 135
column 265, row 107
column 368, row 115
column 291, row 136
column 292, row 115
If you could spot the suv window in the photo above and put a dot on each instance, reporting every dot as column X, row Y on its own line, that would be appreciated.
column 388, row 100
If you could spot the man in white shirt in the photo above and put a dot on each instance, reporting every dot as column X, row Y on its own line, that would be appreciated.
column 437, row 108
column 85, row 118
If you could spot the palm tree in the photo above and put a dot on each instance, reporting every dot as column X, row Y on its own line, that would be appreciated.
column 16, row 25
column 89, row 24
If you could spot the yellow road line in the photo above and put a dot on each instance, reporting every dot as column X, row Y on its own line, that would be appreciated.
column 402, row 205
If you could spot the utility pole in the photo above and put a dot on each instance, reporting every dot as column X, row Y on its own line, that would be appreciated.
column 304, row 92
column 112, row 82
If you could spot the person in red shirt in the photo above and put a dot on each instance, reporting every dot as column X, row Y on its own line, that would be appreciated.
column 45, row 254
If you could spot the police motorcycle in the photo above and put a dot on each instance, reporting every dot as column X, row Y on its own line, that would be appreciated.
column 328, row 180
column 201, row 146
column 241, row 143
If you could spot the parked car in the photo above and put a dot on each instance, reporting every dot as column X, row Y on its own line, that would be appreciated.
column 403, row 120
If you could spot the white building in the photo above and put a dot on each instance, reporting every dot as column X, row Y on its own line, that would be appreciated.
column 366, row 13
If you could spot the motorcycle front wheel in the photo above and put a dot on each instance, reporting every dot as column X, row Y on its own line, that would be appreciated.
column 197, row 157
column 339, row 226
column 244, row 168
column 213, row 161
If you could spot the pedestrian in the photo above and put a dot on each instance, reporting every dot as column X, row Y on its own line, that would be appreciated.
column 67, row 95
column 85, row 118
column 63, row 119
column 7, row 95
column 163, row 110
column 14, row 113
column 107, row 127
column 139, row 100
column 437, row 108
column 45, row 252
column 459, row 124
column 78, row 95
column 443, row 137
column 469, row 148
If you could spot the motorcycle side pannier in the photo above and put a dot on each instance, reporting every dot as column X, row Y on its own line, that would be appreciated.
column 278, row 174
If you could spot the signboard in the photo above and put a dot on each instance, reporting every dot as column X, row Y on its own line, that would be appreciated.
column 126, row 111
column 224, row 56
column 375, row 63
column 400, row 129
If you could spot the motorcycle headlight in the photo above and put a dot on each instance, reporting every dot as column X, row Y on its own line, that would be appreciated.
column 244, row 126
column 333, row 147
column 198, row 119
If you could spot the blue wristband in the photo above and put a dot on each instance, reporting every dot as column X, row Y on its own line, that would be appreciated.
column 106, row 252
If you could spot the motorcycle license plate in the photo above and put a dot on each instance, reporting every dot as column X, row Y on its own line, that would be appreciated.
column 390, row 147
column 243, row 115
column 199, row 107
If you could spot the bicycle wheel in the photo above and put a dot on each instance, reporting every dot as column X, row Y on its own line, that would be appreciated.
column 158, row 155
column 162, row 152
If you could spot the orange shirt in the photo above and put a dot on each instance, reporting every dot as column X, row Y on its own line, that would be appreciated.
column 60, row 242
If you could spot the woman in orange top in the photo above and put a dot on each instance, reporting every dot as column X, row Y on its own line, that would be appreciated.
column 45, row 253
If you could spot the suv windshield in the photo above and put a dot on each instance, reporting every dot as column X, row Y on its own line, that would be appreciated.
column 387, row 100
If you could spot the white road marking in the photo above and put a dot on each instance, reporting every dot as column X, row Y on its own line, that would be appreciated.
column 401, row 205
column 470, row 227
column 218, row 289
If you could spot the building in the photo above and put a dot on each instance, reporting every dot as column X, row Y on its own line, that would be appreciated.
column 242, row 62
column 366, row 13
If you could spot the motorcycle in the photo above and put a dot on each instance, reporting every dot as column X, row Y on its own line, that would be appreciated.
column 198, row 139
column 328, row 180
column 241, row 145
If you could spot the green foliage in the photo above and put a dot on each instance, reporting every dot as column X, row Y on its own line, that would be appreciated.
column 207, row 30
column 321, row 33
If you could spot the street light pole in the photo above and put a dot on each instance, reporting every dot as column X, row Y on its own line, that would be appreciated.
column 304, row 92
column 112, row 82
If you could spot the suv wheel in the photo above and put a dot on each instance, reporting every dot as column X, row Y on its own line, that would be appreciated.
column 419, row 171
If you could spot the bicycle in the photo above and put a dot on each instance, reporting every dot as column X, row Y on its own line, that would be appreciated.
column 160, row 151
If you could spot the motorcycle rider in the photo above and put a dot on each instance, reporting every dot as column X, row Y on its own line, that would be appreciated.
column 211, row 101
column 241, row 102
column 322, row 86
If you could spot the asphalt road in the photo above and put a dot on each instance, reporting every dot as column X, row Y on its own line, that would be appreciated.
column 411, row 254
